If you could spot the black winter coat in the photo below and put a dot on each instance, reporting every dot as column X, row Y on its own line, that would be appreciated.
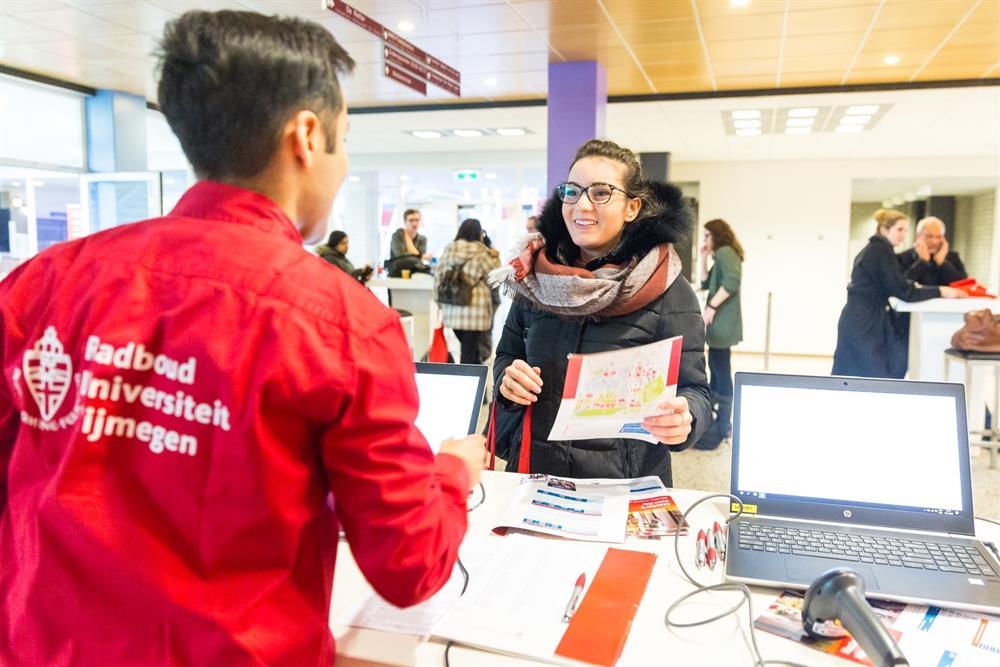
column 544, row 340
column 930, row 273
column 871, row 337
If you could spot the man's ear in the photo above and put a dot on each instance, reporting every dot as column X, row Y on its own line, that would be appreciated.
column 306, row 136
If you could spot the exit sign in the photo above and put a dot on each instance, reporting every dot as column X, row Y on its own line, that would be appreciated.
column 467, row 175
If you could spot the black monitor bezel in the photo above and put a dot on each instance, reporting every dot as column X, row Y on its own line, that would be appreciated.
column 962, row 524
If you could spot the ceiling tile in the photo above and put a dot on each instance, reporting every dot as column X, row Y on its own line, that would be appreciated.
column 948, row 73
column 668, row 53
column 634, row 11
column 813, row 78
column 956, row 56
column 807, row 45
column 138, row 16
column 816, row 63
column 715, row 8
column 742, row 27
column 743, row 48
column 8, row 7
column 743, row 82
column 662, row 34
column 76, row 22
column 813, row 21
column 479, row 19
column 18, row 31
column 747, row 67
column 922, row 14
column 682, row 69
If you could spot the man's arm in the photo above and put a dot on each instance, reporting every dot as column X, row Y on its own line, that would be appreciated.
column 402, row 508
column 397, row 245
column 951, row 269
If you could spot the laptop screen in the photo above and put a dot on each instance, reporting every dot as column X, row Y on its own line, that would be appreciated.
column 450, row 398
column 852, row 443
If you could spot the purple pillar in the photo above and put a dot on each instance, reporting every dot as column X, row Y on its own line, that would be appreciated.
column 578, row 95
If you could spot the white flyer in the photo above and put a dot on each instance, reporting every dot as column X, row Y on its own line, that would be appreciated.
column 593, row 510
column 607, row 394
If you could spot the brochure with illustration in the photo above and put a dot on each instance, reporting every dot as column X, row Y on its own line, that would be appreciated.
column 607, row 394
column 926, row 635
column 594, row 510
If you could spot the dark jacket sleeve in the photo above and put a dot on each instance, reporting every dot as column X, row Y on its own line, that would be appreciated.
column 397, row 246
column 684, row 319
column 511, row 347
column 888, row 273
column 952, row 269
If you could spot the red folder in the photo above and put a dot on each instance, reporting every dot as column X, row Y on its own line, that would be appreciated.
column 600, row 626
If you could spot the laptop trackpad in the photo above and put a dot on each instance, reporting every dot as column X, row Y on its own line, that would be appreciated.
column 806, row 569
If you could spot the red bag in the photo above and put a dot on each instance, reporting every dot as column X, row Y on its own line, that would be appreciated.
column 972, row 287
column 438, row 353
column 524, row 459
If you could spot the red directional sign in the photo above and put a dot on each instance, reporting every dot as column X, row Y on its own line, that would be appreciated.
column 395, row 57
column 355, row 17
column 444, row 83
column 405, row 78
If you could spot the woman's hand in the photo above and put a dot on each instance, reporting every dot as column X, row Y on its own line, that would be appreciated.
column 953, row 293
column 673, row 425
column 708, row 315
column 521, row 383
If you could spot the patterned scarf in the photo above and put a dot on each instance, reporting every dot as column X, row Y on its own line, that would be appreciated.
column 611, row 290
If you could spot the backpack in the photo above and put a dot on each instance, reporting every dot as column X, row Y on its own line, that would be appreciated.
column 454, row 287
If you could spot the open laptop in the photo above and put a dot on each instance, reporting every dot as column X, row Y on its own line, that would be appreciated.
column 451, row 396
column 872, row 475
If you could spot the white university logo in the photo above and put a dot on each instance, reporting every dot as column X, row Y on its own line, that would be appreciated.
column 48, row 371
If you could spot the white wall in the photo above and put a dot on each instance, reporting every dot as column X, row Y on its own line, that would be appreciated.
column 793, row 219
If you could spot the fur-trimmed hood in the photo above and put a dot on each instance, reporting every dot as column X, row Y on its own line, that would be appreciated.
column 667, row 220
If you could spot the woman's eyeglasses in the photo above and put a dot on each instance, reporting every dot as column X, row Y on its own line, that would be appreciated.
column 597, row 193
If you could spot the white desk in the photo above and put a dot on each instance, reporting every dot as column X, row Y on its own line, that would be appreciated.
column 725, row 642
column 932, row 324
column 416, row 295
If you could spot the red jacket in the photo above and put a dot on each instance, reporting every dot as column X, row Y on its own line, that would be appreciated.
column 179, row 398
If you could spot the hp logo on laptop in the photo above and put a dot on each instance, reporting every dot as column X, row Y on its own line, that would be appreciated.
column 847, row 514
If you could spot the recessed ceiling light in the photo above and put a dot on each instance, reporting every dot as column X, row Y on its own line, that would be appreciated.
column 799, row 122
column 842, row 129
column 747, row 113
column 798, row 130
column 861, row 109
column 746, row 123
column 489, row 81
column 426, row 134
column 491, row 176
column 467, row 133
column 803, row 112
column 405, row 26
column 511, row 131
column 748, row 131
column 354, row 179
column 739, row 3
column 404, row 177
column 855, row 120
column 891, row 59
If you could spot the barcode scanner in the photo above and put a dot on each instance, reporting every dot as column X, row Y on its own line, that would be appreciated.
column 839, row 595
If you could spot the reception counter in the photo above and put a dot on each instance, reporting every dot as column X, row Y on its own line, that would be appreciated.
column 415, row 295
column 932, row 324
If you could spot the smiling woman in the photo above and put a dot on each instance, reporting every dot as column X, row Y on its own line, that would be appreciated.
column 601, row 274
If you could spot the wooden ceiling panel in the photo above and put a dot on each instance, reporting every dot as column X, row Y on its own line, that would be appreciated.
column 744, row 82
column 682, row 84
column 882, row 74
column 626, row 81
column 872, row 57
column 809, row 45
column 685, row 69
column 742, row 27
column 816, row 63
column 668, row 53
column 947, row 73
column 971, row 56
column 746, row 67
column 713, row 8
column 583, row 42
column 814, row 78
column 736, row 49
column 635, row 11
column 897, row 15
column 659, row 32
column 813, row 21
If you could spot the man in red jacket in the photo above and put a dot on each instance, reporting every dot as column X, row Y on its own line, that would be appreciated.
column 190, row 407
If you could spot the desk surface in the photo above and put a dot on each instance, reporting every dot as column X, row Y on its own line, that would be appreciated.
column 725, row 642
column 419, row 281
column 946, row 305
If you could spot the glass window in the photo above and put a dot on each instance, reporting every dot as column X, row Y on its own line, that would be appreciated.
column 41, row 125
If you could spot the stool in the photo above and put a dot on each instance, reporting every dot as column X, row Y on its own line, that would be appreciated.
column 987, row 438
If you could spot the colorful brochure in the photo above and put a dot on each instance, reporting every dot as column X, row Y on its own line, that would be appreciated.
column 926, row 635
column 607, row 394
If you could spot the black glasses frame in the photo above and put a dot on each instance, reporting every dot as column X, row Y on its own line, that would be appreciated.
column 586, row 191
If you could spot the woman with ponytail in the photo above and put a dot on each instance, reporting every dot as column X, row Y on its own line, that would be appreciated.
column 871, row 340
column 601, row 274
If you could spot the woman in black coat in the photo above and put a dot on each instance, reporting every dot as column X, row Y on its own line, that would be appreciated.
column 871, row 337
column 600, row 275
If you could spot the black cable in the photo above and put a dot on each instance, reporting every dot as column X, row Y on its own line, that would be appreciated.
column 993, row 521
column 482, row 498
column 729, row 586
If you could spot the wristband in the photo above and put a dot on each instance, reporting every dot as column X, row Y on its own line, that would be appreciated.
column 707, row 306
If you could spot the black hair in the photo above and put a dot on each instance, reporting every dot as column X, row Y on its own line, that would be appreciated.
column 229, row 81
column 470, row 230
column 408, row 212
column 336, row 236
column 663, row 216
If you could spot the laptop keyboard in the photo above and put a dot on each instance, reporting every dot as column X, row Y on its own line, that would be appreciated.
column 957, row 558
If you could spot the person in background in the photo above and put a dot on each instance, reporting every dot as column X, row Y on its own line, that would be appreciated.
column 190, row 514
column 335, row 252
column 603, row 276
column 531, row 224
column 930, row 261
column 871, row 339
column 723, row 322
column 408, row 248
column 476, row 259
